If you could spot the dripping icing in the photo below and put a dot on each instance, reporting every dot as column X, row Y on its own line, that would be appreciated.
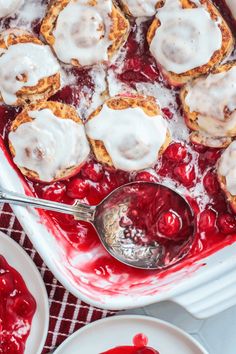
column 137, row 139
column 48, row 145
column 180, row 43
column 30, row 60
column 84, row 31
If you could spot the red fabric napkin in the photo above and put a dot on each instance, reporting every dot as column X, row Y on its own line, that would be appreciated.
column 67, row 313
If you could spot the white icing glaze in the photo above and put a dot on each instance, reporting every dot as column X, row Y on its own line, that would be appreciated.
column 48, row 145
column 132, row 138
column 232, row 6
column 9, row 7
column 82, row 32
column 180, row 43
column 23, row 65
column 26, row 15
column 212, row 97
column 141, row 8
column 227, row 167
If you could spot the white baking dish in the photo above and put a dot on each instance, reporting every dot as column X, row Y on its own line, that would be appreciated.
column 203, row 288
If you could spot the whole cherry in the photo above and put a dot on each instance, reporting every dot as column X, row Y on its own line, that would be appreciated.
column 169, row 224
column 207, row 220
column 185, row 173
column 176, row 152
column 24, row 305
column 226, row 223
column 211, row 183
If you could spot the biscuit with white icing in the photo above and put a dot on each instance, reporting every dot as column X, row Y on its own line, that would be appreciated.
column 226, row 172
column 85, row 32
column 209, row 106
column 128, row 133
column 47, row 141
column 29, row 72
column 188, row 39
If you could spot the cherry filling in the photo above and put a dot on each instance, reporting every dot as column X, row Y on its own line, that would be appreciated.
column 140, row 342
column 189, row 167
column 17, row 309
column 139, row 65
column 156, row 213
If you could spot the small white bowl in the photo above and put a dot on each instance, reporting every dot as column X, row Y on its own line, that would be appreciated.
column 111, row 332
column 19, row 260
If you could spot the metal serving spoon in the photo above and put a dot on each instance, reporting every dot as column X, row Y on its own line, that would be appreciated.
column 125, row 217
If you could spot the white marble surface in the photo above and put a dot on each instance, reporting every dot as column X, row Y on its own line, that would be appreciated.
column 217, row 334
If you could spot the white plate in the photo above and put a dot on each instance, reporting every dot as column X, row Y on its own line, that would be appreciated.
column 120, row 330
column 19, row 259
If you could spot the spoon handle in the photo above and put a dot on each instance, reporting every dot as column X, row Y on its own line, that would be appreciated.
column 79, row 211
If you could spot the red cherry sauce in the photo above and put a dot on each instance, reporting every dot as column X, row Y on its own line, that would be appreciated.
column 17, row 309
column 169, row 217
column 131, row 350
column 189, row 168
column 140, row 342
column 156, row 217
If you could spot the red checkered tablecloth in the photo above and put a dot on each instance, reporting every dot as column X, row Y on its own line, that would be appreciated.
column 67, row 313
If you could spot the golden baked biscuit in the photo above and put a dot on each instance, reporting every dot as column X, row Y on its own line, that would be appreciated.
column 90, row 35
column 23, row 61
column 207, row 105
column 173, row 49
column 121, row 105
column 42, row 144
column 201, row 138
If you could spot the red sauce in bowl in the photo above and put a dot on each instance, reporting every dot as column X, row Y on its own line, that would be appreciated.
column 131, row 350
column 17, row 309
column 140, row 342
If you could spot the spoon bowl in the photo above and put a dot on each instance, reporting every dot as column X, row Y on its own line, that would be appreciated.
column 131, row 221
column 142, row 224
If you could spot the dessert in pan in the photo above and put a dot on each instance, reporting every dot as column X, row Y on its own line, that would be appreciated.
column 161, row 111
